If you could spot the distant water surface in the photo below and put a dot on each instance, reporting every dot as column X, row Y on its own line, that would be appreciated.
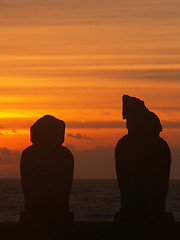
column 91, row 200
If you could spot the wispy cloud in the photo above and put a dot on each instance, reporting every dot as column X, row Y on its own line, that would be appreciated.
column 79, row 136
column 171, row 124
column 70, row 12
column 25, row 123
column 136, row 70
column 96, row 124
column 115, row 124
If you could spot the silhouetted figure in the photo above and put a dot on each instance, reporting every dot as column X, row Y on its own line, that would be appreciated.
column 46, row 175
column 142, row 165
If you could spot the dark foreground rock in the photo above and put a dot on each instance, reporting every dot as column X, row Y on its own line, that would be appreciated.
column 90, row 231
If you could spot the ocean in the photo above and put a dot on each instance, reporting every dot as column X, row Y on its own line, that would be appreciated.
column 91, row 200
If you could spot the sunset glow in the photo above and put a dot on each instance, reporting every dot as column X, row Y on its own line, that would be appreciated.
column 75, row 60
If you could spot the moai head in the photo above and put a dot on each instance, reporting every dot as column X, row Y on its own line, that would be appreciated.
column 48, row 130
column 139, row 119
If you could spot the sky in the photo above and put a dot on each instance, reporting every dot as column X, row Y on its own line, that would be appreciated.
column 75, row 59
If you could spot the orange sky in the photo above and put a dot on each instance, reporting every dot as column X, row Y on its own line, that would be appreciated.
column 75, row 59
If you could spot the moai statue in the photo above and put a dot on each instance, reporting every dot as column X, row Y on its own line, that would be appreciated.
column 143, row 161
column 46, row 174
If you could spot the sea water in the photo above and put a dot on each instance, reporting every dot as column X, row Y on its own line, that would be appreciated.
column 91, row 200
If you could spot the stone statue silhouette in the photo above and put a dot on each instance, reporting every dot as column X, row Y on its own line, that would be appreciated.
column 46, row 174
column 143, row 161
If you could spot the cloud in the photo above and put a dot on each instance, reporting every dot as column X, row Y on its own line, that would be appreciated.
column 8, row 156
column 80, row 137
column 170, row 124
column 26, row 123
column 166, row 108
column 98, row 162
column 94, row 163
column 118, row 124
column 97, row 124
column 53, row 12
column 70, row 12
column 25, row 68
